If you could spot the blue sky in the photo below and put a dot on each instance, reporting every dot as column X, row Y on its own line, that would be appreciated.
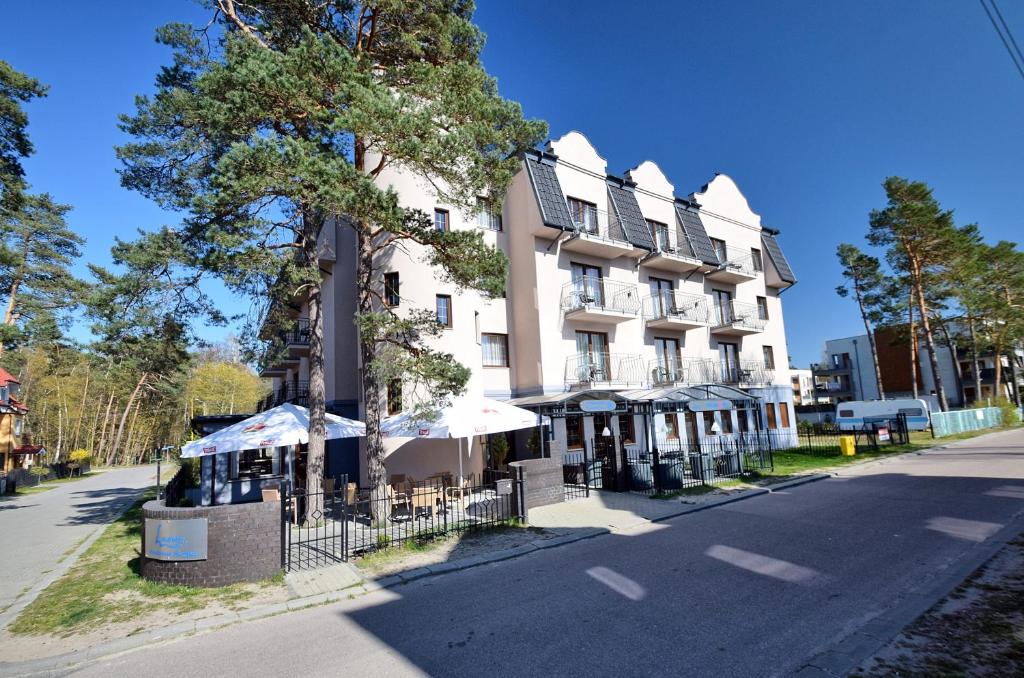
column 807, row 105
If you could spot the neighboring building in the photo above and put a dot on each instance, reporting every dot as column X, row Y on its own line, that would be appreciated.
column 617, row 288
column 847, row 373
column 12, row 422
column 803, row 386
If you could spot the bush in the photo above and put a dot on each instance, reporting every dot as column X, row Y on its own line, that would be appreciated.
column 499, row 449
column 80, row 457
column 1010, row 413
column 804, row 426
column 40, row 472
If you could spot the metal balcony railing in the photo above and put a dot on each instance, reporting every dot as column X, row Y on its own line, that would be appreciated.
column 686, row 371
column 600, row 293
column 587, row 224
column 738, row 260
column 739, row 314
column 618, row 368
column 675, row 304
column 745, row 372
column 298, row 334
column 292, row 392
column 840, row 366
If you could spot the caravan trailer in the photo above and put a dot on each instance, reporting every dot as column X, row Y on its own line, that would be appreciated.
column 857, row 414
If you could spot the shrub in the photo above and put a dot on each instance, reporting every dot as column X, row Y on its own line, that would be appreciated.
column 1010, row 413
column 40, row 472
column 499, row 449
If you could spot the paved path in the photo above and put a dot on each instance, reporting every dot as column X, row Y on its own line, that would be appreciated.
column 753, row 588
column 37, row 531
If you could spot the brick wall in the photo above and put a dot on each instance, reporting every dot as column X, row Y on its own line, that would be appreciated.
column 244, row 544
column 541, row 480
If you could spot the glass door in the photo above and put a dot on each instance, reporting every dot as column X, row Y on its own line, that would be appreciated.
column 667, row 351
column 587, row 284
column 592, row 356
column 728, row 358
column 661, row 297
column 723, row 306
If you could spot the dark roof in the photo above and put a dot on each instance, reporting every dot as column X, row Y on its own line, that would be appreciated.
column 771, row 245
column 693, row 229
column 631, row 219
column 541, row 168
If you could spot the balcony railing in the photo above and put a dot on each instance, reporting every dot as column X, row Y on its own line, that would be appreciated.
column 594, row 292
column 292, row 392
column 297, row 335
column 674, row 304
column 682, row 371
column 590, row 226
column 746, row 373
column 617, row 368
column 826, row 368
column 739, row 314
column 738, row 261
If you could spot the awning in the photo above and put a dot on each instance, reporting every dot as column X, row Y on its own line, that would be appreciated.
column 662, row 395
column 29, row 449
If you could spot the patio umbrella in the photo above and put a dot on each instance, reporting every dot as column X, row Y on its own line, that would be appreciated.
column 283, row 425
column 465, row 417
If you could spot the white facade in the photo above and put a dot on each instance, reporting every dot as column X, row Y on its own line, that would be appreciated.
column 588, row 306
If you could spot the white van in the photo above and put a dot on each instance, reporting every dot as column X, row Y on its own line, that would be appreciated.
column 856, row 414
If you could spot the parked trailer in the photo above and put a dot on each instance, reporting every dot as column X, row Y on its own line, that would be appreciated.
column 858, row 414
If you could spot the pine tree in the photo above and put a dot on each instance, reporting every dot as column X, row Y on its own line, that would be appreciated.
column 276, row 120
column 15, row 89
column 868, row 284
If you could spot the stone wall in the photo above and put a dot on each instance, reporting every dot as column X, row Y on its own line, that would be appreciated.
column 244, row 544
column 541, row 483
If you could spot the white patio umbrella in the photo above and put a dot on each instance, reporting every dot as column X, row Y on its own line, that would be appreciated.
column 281, row 426
column 465, row 417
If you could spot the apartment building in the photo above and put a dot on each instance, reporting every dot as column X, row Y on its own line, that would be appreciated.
column 803, row 387
column 663, row 309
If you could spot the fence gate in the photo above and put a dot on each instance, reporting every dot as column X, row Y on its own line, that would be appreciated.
column 314, row 528
column 607, row 463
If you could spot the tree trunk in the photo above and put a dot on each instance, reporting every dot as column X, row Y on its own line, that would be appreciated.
column 871, row 342
column 81, row 411
column 127, row 409
column 317, row 397
column 376, row 473
column 12, row 291
column 127, row 457
column 957, row 372
column 975, row 361
column 100, row 449
column 997, row 382
column 913, row 343
column 929, row 339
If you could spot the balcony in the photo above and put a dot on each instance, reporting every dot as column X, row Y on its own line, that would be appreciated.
column 737, row 319
column 738, row 267
column 593, row 370
column 292, row 392
column 600, row 300
column 675, row 256
column 296, row 340
column 681, row 372
column 597, row 239
column 676, row 311
column 746, row 373
column 831, row 369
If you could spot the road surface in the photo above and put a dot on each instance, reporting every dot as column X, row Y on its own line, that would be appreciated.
column 754, row 588
column 38, row 530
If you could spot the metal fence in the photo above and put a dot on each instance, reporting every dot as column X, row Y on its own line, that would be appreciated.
column 334, row 525
column 678, row 466
column 961, row 421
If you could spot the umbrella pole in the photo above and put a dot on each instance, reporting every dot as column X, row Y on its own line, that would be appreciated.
column 460, row 462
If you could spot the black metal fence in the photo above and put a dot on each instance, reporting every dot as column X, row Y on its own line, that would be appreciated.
column 678, row 466
column 575, row 481
column 336, row 524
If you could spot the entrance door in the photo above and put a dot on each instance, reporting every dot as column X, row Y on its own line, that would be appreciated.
column 729, row 362
column 661, row 297
column 692, row 437
column 592, row 356
column 605, row 453
column 667, row 352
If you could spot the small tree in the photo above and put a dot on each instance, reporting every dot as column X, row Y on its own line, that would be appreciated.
column 79, row 458
column 868, row 284
column 499, row 449
column 39, row 471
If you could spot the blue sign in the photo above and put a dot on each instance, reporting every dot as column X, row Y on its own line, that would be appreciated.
column 597, row 405
column 176, row 539
column 709, row 405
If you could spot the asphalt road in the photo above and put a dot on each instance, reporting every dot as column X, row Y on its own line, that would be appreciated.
column 753, row 588
column 38, row 530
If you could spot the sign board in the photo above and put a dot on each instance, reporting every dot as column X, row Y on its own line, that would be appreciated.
column 597, row 405
column 176, row 539
column 709, row 405
column 979, row 414
column 883, row 434
column 503, row 487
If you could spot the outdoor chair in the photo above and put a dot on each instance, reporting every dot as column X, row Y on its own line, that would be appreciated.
column 401, row 508
column 426, row 497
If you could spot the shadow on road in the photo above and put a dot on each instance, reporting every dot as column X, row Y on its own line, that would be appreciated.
column 106, row 509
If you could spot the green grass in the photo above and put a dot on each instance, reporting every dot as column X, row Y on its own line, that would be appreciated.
column 700, row 489
column 50, row 484
column 793, row 462
column 104, row 587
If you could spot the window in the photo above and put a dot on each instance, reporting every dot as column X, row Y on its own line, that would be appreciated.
column 488, row 216
column 726, row 417
column 845, row 413
column 659, row 232
column 729, row 362
column 661, row 296
column 722, row 301
column 584, row 214
column 255, row 463
column 671, row 426
column 394, row 396
column 626, row 431
column 667, row 351
column 784, row 414
column 709, row 424
column 19, row 425
column 769, row 357
column 444, row 310
column 912, row 411
column 495, row 349
column 592, row 356
column 755, row 256
column 574, row 433
column 587, row 285
column 770, row 409
column 762, row 308
column 391, row 284
column 441, row 220
column 742, row 420
column 720, row 249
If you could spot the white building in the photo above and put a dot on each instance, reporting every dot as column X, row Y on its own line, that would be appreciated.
column 619, row 290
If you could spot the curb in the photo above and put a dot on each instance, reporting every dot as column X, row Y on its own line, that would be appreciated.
column 847, row 653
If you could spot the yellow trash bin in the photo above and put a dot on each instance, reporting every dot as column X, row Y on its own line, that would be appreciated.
column 847, row 446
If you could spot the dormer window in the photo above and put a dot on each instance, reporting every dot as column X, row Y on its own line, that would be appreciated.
column 659, row 232
column 584, row 214
column 720, row 249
